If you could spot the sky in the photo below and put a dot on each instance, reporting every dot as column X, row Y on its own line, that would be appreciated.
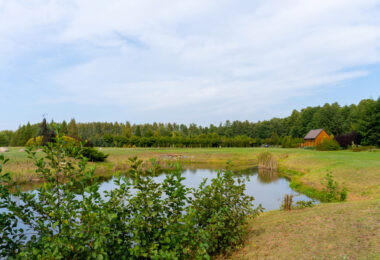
column 198, row 61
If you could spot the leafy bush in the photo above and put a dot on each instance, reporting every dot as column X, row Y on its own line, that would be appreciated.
column 221, row 210
column 35, row 141
column 76, row 141
column 290, row 142
column 333, row 192
column 68, row 217
column 71, row 140
column 304, row 204
column 93, row 155
column 346, row 140
column 328, row 145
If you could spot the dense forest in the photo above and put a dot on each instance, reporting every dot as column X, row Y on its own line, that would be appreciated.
column 355, row 123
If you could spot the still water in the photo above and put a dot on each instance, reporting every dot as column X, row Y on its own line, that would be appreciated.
column 266, row 187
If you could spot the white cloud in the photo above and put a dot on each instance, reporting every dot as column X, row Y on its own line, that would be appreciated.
column 216, row 55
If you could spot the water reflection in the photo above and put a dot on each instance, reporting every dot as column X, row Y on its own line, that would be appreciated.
column 267, row 176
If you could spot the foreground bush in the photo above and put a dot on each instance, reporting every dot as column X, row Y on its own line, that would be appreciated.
column 69, row 217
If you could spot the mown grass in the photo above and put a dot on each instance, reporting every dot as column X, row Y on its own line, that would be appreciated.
column 349, row 230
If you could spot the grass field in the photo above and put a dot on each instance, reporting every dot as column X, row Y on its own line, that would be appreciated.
column 347, row 230
column 358, row 171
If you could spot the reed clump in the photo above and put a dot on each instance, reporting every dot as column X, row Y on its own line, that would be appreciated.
column 287, row 202
column 267, row 161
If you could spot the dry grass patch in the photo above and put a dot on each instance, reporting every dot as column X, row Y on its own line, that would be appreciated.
column 348, row 230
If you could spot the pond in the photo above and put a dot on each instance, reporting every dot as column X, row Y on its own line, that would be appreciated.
column 268, row 188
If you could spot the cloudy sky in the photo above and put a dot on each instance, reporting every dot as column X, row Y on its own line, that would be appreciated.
column 202, row 61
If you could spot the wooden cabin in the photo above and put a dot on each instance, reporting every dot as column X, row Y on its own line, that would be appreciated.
column 315, row 137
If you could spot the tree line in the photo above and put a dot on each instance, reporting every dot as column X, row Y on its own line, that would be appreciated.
column 358, row 123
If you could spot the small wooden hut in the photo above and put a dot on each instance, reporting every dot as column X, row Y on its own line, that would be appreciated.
column 315, row 137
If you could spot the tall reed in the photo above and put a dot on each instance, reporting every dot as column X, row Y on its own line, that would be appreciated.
column 287, row 202
column 267, row 161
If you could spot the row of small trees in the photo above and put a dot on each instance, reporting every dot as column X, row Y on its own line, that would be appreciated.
column 362, row 119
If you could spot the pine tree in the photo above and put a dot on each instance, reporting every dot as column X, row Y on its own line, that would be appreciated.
column 46, row 133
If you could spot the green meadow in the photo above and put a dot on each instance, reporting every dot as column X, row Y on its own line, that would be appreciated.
column 359, row 172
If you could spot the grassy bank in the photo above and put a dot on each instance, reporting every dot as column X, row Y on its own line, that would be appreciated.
column 349, row 230
column 359, row 172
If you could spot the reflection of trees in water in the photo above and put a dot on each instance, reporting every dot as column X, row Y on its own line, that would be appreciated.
column 267, row 176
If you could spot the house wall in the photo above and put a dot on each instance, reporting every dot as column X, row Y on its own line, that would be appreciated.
column 308, row 143
column 320, row 137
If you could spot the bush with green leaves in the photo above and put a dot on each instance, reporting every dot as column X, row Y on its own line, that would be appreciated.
column 290, row 142
column 92, row 154
column 34, row 141
column 221, row 210
column 328, row 145
column 69, row 217
column 301, row 204
column 333, row 192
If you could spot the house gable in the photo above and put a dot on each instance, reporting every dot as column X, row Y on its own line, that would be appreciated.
column 314, row 137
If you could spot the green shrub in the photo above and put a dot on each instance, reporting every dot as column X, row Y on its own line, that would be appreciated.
column 328, row 145
column 35, row 141
column 93, row 155
column 71, row 141
column 70, row 218
column 304, row 204
column 333, row 192
column 290, row 142
column 221, row 210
